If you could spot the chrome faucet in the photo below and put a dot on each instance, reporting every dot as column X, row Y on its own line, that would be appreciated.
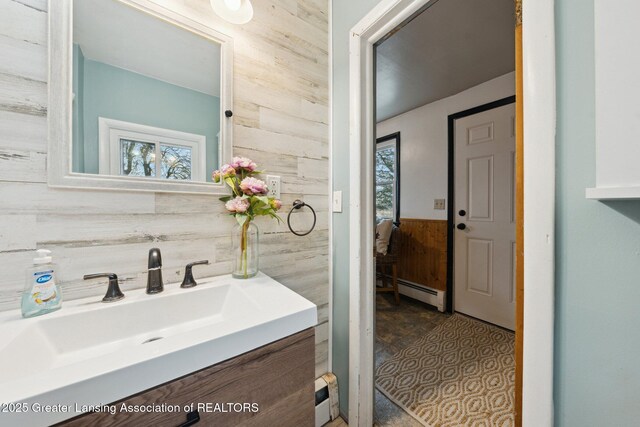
column 154, row 278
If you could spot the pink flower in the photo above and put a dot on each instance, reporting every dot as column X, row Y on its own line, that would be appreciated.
column 237, row 205
column 225, row 172
column 275, row 203
column 251, row 186
column 243, row 163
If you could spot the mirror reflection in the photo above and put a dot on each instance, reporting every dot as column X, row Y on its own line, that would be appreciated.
column 146, row 95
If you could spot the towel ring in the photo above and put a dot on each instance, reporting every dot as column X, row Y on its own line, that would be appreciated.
column 299, row 204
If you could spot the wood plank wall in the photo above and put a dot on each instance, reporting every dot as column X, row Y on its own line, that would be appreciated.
column 422, row 254
column 280, row 120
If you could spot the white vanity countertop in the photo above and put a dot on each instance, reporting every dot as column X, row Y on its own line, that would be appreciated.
column 91, row 353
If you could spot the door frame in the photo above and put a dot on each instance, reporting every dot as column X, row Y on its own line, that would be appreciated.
column 451, row 120
column 538, row 171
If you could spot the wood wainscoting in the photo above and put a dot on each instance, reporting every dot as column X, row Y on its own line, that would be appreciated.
column 422, row 252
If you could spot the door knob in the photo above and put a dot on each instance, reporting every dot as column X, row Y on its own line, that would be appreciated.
column 461, row 226
column 462, row 212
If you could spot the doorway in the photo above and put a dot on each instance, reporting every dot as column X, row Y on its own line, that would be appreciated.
column 538, row 207
column 417, row 103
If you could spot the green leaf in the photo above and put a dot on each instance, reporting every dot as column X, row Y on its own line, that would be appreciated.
column 263, row 199
column 272, row 214
column 241, row 218
column 232, row 182
column 225, row 199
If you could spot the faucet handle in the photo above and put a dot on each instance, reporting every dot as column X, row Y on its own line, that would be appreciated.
column 113, row 291
column 155, row 258
column 189, row 281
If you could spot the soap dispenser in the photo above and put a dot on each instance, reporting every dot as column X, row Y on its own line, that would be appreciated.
column 41, row 293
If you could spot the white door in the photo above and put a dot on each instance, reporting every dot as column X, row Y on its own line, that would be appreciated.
column 484, row 244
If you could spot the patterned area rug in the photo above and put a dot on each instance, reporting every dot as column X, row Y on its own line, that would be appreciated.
column 462, row 373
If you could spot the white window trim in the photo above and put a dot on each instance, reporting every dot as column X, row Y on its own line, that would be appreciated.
column 111, row 131
column 539, row 103
column 382, row 146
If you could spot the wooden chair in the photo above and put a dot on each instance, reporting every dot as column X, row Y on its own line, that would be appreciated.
column 389, row 260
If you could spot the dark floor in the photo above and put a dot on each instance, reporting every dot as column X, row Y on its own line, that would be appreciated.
column 397, row 326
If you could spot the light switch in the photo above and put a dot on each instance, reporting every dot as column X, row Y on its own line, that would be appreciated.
column 337, row 201
column 438, row 204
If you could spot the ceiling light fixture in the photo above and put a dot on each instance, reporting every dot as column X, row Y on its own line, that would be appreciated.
column 234, row 11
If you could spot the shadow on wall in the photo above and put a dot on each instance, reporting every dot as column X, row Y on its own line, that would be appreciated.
column 628, row 208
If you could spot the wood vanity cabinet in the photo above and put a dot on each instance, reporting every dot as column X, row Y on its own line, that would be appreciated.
column 278, row 377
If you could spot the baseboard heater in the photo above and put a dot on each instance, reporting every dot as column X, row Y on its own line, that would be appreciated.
column 421, row 293
column 327, row 408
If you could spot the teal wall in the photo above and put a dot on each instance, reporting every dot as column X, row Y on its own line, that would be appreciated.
column 119, row 94
column 597, row 344
column 78, row 109
column 345, row 15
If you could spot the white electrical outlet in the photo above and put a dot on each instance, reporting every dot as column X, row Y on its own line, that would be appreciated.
column 273, row 183
column 438, row 204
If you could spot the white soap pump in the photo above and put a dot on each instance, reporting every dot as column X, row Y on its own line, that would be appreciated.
column 41, row 293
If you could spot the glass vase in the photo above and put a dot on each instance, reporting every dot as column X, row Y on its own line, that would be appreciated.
column 245, row 250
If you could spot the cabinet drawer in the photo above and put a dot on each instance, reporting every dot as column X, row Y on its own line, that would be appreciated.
column 270, row 386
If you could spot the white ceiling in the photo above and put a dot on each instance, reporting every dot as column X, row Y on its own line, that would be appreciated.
column 450, row 47
column 115, row 34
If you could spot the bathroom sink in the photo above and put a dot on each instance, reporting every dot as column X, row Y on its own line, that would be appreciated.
column 92, row 353
column 98, row 329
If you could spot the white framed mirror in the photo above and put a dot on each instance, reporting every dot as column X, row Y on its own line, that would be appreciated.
column 139, row 98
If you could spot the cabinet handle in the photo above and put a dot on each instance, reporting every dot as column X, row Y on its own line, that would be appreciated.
column 193, row 417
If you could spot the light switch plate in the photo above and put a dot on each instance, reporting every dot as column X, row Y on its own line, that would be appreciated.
column 337, row 201
column 438, row 204
column 273, row 183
